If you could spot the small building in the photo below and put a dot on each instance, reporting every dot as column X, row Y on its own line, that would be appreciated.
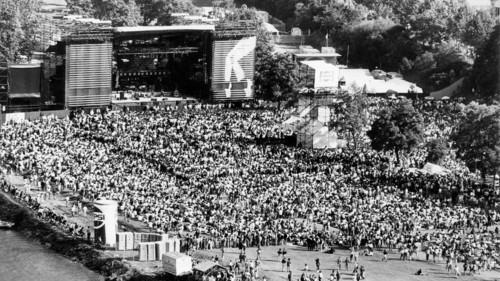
column 177, row 264
column 319, row 74
column 270, row 29
column 211, row 270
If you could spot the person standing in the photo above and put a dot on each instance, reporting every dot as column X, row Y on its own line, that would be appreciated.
column 288, row 263
column 457, row 271
column 385, row 255
column 283, row 262
column 73, row 210
column 317, row 264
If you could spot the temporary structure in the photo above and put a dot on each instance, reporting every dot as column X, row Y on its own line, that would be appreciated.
column 177, row 264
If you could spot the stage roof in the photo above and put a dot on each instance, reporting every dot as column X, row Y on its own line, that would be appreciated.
column 170, row 28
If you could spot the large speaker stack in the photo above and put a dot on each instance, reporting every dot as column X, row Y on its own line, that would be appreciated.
column 88, row 70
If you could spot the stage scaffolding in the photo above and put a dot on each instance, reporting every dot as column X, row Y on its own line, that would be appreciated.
column 88, row 36
column 88, row 67
column 235, row 30
column 318, row 112
column 4, row 84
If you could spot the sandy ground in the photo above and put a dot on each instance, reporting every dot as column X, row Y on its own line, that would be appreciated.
column 376, row 270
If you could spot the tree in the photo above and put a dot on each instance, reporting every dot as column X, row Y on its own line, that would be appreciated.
column 477, row 138
column 275, row 73
column 19, row 24
column 81, row 7
column 436, row 150
column 119, row 12
column 485, row 74
column 398, row 129
column 353, row 116
column 478, row 28
column 159, row 12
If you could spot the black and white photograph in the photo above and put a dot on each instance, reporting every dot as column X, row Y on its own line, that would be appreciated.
column 249, row 140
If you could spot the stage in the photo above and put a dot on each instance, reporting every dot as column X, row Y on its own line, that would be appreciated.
column 147, row 102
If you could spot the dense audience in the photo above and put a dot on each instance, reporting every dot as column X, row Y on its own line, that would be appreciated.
column 199, row 173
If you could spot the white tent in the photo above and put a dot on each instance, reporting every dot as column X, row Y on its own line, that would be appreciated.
column 435, row 169
column 270, row 29
column 293, row 119
column 363, row 79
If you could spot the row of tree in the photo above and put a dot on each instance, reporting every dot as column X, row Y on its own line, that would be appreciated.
column 20, row 28
column 433, row 43
column 21, row 23
column 476, row 139
column 131, row 12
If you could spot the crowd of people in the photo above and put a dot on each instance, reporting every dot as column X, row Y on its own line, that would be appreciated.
column 200, row 173
column 46, row 214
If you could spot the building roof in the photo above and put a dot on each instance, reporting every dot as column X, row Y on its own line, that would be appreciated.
column 171, row 28
column 270, row 28
column 317, row 55
column 319, row 65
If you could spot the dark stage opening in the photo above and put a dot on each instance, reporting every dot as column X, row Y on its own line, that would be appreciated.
column 162, row 61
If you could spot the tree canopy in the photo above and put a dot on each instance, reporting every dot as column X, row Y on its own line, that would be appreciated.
column 477, row 138
column 160, row 12
column 436, row 151
column 19, row 25
column 485, row 80
column 119, row 12
column 131, row 12
column 81, row 7
column 275, row 73
column 353, row 116
column 389, row 34
column 398, row 129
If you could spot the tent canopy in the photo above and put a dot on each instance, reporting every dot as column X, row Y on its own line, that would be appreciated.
column 269, row 28
column 435, row 169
